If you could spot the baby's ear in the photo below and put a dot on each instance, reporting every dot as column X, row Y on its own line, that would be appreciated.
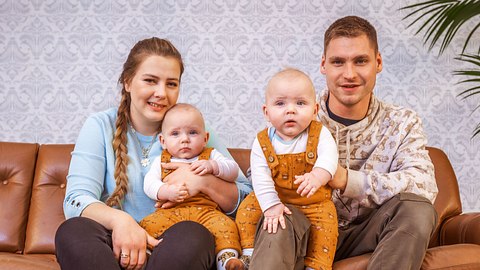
column 207, row 137
column 265, row 113
column 162, row 141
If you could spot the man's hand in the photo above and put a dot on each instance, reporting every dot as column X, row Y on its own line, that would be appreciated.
column 273, row 216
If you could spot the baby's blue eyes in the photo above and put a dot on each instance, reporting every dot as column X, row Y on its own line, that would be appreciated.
column 281, row 103
column 176, row 133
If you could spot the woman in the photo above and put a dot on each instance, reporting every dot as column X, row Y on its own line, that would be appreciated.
column 105, row 199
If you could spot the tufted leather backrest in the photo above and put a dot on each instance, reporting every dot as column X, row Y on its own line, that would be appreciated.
column 48, row 192
column 17, row 165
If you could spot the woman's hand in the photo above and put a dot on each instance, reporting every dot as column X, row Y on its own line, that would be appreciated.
column 130, row 242
column 183, row 174
column 222, row 192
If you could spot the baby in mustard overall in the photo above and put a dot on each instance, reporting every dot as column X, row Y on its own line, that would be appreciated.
column 291, row 163
column 184, row 139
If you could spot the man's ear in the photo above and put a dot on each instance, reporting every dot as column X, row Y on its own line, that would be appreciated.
column 322, row 65
column 162, row 141
column 379, row 62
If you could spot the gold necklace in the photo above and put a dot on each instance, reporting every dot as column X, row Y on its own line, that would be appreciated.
column 145, row 151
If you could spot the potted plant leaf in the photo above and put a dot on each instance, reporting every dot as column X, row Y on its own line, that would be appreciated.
column 440, row 21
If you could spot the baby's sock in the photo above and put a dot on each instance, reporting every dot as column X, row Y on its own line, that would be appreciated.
column 246, row 256
column 224, row 255
column 308, row 268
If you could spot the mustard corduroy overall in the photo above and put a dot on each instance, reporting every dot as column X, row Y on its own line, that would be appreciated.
column 319, row 208
column 199, row 208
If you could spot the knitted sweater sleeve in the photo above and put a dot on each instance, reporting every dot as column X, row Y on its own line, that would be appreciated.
column 399, row 163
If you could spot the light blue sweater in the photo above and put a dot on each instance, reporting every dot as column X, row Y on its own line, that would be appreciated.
column 90, row 177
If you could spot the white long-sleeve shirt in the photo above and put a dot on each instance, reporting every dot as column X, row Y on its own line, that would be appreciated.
column 263, row 184
column 227, row 170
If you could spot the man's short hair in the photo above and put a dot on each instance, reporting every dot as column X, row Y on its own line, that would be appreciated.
column 350, row 27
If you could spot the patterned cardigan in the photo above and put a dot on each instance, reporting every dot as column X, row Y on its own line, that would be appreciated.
column 384, row 154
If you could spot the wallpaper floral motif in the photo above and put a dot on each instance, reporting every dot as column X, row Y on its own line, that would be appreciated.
column 60, row 61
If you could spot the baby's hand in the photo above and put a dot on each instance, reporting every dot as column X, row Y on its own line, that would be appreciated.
column 176, row 193
column 312, row 181
column 202, row 167
column 273, row 216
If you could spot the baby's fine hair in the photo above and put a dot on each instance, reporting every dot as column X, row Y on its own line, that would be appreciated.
column 182, row 107
column 292, row 73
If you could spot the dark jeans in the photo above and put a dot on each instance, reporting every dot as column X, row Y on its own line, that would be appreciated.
column 397, row 233
column 82, row 243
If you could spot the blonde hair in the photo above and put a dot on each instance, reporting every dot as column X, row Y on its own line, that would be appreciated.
column 139, row 52
column 183, row 107
column 289, row 73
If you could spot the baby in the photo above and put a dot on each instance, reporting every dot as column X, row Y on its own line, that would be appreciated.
column 184, row 139
column 292, row 162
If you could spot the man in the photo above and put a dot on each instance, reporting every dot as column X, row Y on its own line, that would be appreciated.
column 385, row 183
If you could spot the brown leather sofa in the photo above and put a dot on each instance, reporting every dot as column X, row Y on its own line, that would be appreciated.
column 32, row 187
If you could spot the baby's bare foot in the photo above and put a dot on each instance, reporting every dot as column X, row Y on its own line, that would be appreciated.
column 234, row 264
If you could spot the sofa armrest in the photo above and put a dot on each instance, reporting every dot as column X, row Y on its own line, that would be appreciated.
column 459, row 229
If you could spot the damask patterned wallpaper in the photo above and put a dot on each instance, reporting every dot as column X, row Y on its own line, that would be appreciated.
column 60, row 60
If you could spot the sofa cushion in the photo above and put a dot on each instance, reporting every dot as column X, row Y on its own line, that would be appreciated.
column 17, row 165
column 460, row 256
column 48, row 192
column 9, row 261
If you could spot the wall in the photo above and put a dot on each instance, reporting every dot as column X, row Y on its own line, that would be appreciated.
column 60, row 60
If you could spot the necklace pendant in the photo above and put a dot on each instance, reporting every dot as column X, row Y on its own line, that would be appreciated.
column 145, row 162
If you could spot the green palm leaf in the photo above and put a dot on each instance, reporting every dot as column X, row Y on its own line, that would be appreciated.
column 473, row 75
column 476, row 131
column 441, row 20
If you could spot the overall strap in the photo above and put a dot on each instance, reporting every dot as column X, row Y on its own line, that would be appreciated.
column 166, row 157
column 205, row 155
column 267, row 148
column 312, row 142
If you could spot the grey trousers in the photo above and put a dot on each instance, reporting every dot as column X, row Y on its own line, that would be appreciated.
column 397, row 234
column 285, row 249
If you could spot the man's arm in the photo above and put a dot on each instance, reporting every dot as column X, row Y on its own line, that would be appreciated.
column 410, row 169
